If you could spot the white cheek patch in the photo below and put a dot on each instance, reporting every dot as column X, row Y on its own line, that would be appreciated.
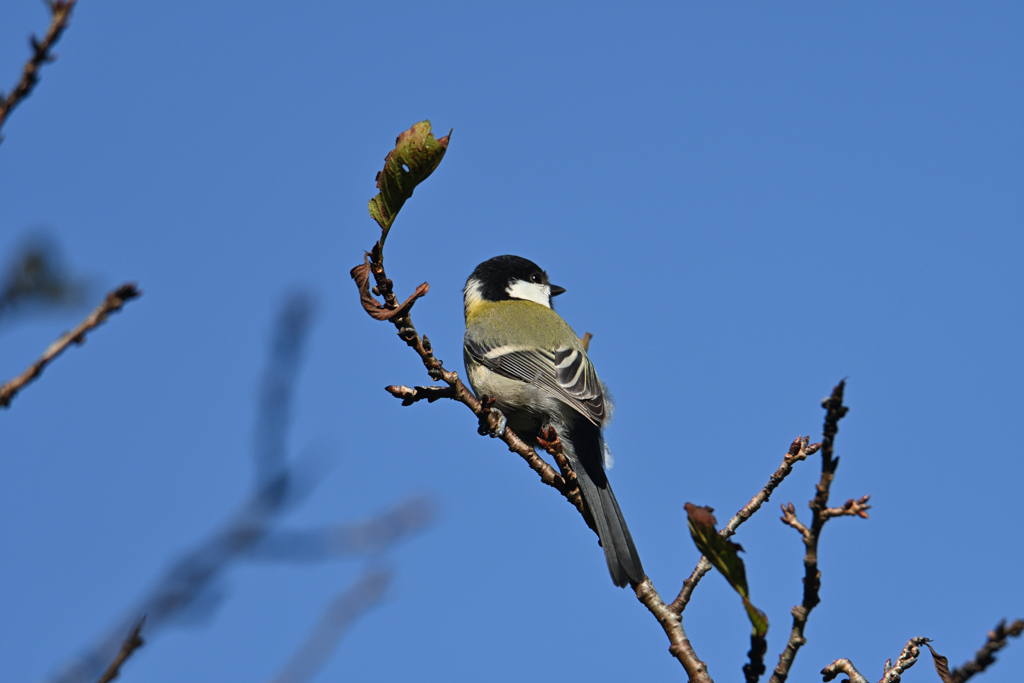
column 530, row 291
column 471, row 296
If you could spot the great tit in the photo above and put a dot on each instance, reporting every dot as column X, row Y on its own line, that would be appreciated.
column 521, row 353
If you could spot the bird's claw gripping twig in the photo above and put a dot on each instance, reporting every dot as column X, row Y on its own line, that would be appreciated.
column 492, row 420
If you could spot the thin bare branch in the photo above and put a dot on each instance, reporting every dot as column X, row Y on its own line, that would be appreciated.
column 842, row 666
column 908, row 657
column 798, row 450
column 855, row 507
column 61, row 13
column 835, row 410
column 133, row 642
column 985, row 656
column 414, row 394
column 789, row 517
column 114, row 301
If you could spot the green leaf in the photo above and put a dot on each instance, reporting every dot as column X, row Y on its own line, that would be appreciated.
column 415, row 156
column 758, row 619
column 723, row 554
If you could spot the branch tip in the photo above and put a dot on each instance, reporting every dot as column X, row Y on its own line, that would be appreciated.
column 60, row 11
column 133, row 642
column 418, row 393
column 113, row 302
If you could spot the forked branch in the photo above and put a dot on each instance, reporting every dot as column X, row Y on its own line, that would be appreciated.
column 798, row 450
column 820, row 513
column 384, row 208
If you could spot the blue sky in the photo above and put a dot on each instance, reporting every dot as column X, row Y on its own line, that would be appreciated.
column 746, row 204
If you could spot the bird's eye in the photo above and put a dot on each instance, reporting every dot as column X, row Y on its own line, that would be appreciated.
column 535, row 278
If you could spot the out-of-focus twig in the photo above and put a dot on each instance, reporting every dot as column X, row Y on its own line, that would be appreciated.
column 61, row 13
column 190, row 579
column 273, row 403
column 332, row 626
column 38, row 277
column 834, row 411
column 995, row 642
column 114, row 301
column 193, row 577
column 133, row 642
column 368, row 537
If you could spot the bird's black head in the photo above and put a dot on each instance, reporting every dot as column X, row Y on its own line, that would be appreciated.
column 510, row 277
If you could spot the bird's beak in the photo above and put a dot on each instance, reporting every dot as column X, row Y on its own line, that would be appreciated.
column 556, row 290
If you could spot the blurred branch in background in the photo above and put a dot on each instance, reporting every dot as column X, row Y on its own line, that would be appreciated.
column 995, row 642
column 369, row 537
column 113, row 303
column 188, row 590
column 60, row 14
column 275, row 393
column 38, row 279
column 336, row 620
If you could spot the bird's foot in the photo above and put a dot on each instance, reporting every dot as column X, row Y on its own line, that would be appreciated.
column 500, row 423
column 493, row 421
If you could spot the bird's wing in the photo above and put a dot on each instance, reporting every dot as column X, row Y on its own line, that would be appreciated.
column 566, row 373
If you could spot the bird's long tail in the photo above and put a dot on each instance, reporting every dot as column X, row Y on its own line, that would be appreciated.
column 586, row 454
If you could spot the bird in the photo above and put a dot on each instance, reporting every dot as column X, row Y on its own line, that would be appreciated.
column 520, row 353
